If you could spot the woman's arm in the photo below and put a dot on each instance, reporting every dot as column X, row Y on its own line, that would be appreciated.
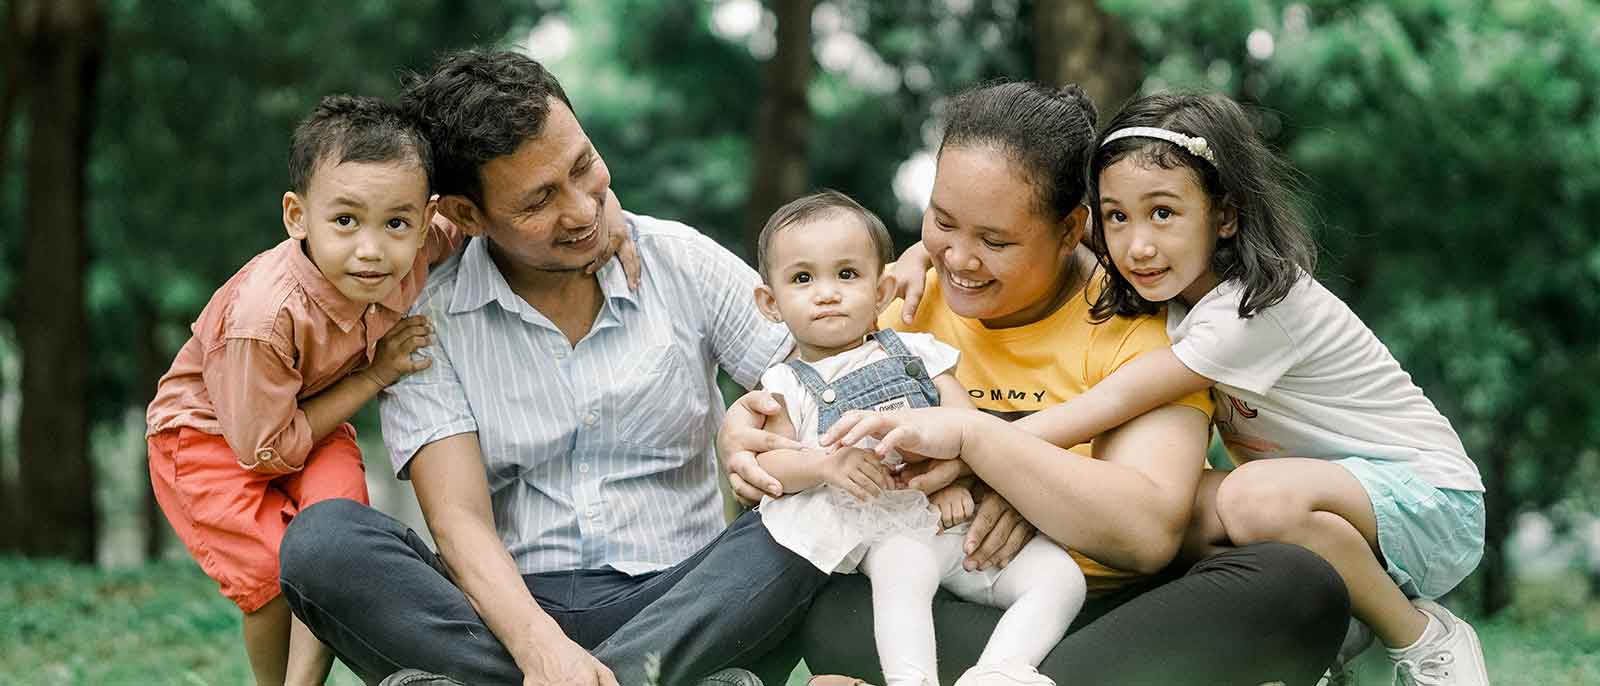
column 1149, row 381
column 1127, row 509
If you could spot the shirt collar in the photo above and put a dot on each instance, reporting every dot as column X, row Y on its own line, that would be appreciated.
column 479, row 281
column 342, row 310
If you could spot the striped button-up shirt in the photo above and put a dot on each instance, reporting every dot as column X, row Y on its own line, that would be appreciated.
column 597, row 454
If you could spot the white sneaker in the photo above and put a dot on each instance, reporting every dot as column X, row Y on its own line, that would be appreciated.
column 1343, row 671
column 1455, row 658
column 1004, row 674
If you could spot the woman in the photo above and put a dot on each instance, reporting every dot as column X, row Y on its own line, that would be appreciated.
column 1010, row 287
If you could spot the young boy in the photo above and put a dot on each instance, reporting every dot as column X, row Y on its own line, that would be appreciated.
column 822, row 260
column 249, row 425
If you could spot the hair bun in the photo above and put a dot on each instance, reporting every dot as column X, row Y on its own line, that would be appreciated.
column 1073, row 94
column 338, row 103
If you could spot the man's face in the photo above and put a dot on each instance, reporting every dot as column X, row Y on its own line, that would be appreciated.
column 542, row 203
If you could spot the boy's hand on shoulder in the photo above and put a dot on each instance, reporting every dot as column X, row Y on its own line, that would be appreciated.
column 858, row 472
column 621, row 244
column 955, row 505
column 393, row 358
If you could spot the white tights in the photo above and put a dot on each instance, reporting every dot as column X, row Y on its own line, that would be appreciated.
column 1041, row 591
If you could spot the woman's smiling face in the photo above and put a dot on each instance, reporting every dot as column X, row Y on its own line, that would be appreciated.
column 999, row 259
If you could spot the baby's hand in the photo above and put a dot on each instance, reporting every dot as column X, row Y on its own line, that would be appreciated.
column 955, row 505
column 856, row 471
column 393, row 358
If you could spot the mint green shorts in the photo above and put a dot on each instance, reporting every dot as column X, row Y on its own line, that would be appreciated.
column 1431, row 537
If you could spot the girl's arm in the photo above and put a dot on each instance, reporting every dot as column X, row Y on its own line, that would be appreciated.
column 910, row 274
column 1151, row 380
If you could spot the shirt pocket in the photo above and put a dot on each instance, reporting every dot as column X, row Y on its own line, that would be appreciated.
column 660, row 403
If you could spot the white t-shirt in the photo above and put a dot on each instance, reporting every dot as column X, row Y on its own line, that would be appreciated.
column 937, row 358
column 1306, row 378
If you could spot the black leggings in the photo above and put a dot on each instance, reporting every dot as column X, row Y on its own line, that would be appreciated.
column 1259, row 614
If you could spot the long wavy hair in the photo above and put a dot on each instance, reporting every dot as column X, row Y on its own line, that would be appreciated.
column 1272, row 247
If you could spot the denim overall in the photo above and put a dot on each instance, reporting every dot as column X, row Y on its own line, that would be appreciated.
column 896, row 382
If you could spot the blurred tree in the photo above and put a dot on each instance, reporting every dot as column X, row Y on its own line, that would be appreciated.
column 1076, row 41
column 781, row 170
column 60, row 50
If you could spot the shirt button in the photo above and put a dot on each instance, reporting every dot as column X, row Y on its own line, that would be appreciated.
column 594, row 512
column 589, row 419
column 561, row 354
column 583, row 467
column 263, row 455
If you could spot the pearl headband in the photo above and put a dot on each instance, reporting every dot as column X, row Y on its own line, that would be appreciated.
column 1196, row 145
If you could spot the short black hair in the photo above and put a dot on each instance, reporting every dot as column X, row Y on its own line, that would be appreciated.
column 822, row 203
column 1048, row 132
column 1272, row 245
column 478, row 105
column 354, row 128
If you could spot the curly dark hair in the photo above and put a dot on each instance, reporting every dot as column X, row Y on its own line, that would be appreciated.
column 1048, row 132
column 478, row 105
column 352, row 128
column 1272, row 246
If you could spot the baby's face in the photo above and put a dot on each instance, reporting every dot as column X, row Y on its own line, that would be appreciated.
column 824, row 282
column 362, row 223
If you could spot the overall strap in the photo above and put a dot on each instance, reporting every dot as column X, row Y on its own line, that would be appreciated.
column 891, row 342
column 809, row 378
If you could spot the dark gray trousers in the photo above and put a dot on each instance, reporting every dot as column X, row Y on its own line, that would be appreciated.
column 368, row 586
column 1254, row 615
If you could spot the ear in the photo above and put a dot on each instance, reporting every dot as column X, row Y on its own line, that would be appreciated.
column 294, row 215
column 429, row 210
column 767, row 303
column 887, row 287
column 464, row 212
column 1227, row 220
column 1073, row 227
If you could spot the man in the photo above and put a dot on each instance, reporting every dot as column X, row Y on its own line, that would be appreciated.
column 560, row 443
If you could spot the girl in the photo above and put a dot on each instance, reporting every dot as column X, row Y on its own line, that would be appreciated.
column 1342, row 454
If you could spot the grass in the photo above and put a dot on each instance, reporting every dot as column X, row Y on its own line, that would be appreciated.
column 164, row 623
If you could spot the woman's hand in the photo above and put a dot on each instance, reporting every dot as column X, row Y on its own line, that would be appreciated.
column 997, row 534
column 931, row 475
column 742, row 437
column 621, row 244
column 910, row 274
column 918, row 434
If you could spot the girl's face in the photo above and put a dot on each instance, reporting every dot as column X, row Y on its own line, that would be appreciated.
column 1161, row 229
column 998, row 258
column 826, row 283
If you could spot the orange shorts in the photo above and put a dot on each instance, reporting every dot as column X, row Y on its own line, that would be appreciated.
column 233, row 519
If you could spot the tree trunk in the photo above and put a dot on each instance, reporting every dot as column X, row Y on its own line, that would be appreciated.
column 781, row 169
column 11, row 86
column 1077, row 42
column 1498, row 505
column 61, row 40
column 152, row 364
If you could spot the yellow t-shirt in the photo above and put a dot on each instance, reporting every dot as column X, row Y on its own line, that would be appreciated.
column 1017, row 371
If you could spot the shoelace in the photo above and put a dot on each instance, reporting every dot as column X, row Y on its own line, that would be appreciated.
column 1433, row 670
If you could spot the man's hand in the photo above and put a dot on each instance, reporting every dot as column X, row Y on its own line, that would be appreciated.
column 910, row 274
column 560, row 662
column 954, row 504
column 742, row 437
column 858, row 472
column 998, row 533
column 393, row 359
column 621, row 244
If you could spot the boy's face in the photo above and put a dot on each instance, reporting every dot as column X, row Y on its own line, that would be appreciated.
column 362, row 223
column 825, row 282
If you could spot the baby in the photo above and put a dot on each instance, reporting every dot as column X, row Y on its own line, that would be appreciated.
column 822, row 261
